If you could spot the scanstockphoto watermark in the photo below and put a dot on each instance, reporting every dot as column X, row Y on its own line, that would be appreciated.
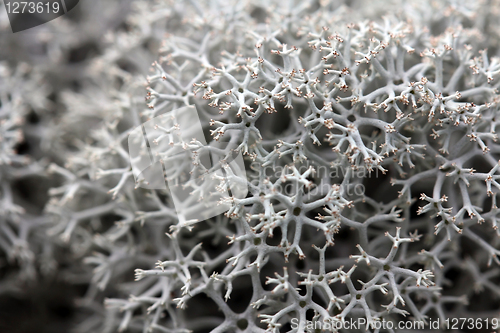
column 430, row 324
column 333, row 171
column 170, row 152
column 323, row 176
column 25, row 15
column 290, row 189
column 355, row 324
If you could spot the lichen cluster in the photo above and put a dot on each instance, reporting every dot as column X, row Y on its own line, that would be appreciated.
column 372, row 166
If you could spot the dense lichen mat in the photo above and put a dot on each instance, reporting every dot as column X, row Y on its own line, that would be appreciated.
column 365, row 136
